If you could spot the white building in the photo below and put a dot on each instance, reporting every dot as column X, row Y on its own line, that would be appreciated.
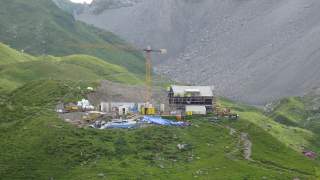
column 120, row 106
column 201, row 110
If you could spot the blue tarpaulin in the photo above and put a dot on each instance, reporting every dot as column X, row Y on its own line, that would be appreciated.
column 164, row 122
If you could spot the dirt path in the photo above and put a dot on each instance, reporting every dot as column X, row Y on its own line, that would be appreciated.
column 245, row 142
column 247, row 146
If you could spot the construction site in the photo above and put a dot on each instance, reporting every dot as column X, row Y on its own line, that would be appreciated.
column 115, row 105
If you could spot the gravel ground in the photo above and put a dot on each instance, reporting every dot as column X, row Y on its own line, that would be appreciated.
column 110, row 91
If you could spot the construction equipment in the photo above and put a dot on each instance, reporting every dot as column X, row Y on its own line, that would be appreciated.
column 148, row 111
column 223, row 112
column 148, row 52
column 189, row 113
column 148, row 64
column 71, row 108
column 226, row 113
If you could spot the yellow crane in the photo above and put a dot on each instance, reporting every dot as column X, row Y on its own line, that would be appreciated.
column 148, row 51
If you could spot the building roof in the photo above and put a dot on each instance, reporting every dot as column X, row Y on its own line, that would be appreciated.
column 205, row 91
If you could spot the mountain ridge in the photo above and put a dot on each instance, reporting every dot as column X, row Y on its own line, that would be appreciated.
column 18, row 69
column 40, row 27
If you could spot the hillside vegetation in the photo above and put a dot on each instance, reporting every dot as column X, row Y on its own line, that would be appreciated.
column 36, row 144
column 39, row 27
column 57, row 58
column 292, row 136
column 294, row 121
column 17, row 69
column 8, row 55
column 301, row 112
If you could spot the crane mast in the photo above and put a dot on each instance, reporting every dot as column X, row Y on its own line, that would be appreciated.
column 148, row 52
column 148, row 77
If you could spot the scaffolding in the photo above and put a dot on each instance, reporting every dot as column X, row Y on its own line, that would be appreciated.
column 180, row 102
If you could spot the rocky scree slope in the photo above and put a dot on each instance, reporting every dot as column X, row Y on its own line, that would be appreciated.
column 253, row 51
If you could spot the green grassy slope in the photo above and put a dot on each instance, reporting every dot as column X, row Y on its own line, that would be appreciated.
column 36, row 144
column 297, row 111
column 294, row 137
column 75, row 67
column 8, row 55
column 18, row 68
column 293, row 121
column 290, row 111
column 39, row 27
column 301, row 112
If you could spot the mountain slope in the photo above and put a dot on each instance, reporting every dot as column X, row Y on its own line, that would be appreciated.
column 17, row 69
column 295, row 137
column 8, row 55
column 33, row 137
column 302, row 112
column 39, row 27
column 253, row 51
column 72, row 8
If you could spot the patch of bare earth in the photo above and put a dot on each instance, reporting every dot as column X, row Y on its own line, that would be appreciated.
column 116, row 92
column 247, row 146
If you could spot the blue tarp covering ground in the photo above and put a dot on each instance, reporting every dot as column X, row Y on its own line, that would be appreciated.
column 145, row 119
column 164, row 122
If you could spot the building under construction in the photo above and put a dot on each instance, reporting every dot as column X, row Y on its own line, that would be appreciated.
column 197, row 99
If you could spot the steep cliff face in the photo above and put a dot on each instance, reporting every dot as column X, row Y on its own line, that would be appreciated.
column 253, row 51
